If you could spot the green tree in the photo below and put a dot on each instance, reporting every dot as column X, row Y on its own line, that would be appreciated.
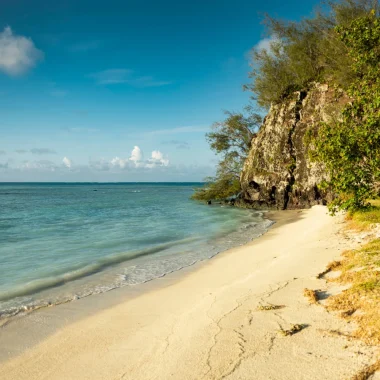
column 350, row 148
column 231, row 139
column 304, row 52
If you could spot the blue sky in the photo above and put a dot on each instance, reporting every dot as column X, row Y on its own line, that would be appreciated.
column 122, row 90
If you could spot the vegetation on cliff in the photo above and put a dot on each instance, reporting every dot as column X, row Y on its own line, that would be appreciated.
column 339, row 46
column 350, row 147
column 231, row 139
column 307, row 51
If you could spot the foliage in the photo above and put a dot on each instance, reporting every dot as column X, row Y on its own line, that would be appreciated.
column 360, row 269
column 302, row 52
column 218, row 188
column 350, row 148
column 232, row 140
column 363, row 219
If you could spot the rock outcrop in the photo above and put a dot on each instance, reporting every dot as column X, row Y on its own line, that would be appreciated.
column 278, row 172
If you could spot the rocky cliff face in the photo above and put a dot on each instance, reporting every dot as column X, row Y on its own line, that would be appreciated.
column 278, row 172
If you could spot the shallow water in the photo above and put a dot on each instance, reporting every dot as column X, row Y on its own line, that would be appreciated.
column 60, row 242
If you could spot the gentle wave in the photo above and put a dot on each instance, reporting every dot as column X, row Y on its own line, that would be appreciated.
column 51, row 282
column 83, row 242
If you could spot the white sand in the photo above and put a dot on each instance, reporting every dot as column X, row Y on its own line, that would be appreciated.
column 206, row 325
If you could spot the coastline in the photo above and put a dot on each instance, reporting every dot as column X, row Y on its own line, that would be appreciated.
column 202, row 322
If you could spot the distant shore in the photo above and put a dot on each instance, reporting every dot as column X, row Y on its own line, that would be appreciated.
column 206, row 322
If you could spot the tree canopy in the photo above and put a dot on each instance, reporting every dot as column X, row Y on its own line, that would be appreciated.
column 231, row 139
column 350, row 147
column 306, row 51
column 340, row 46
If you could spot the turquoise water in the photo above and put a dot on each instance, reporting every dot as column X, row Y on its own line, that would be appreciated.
column 60, row 242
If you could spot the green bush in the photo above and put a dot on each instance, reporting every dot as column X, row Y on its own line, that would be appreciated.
column 231, row 139
column 304, row 52
column 350, row 148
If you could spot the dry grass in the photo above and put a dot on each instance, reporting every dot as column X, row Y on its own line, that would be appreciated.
column 361, row 302
column 359, row 268
column 330, row 267
column 293, row 330
column 311, row 295
column 367, row 372
column 270, row 307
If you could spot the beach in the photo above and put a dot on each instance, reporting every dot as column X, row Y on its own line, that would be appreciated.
column 209, row 322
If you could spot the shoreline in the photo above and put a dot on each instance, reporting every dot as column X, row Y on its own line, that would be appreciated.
column 65, row 313
column 113, row 271
column 205, row 314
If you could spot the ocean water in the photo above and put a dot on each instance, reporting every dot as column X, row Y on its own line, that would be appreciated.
column 60, row 242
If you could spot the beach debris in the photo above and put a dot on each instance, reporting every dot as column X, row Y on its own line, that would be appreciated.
column 330, row 267
column 293, row 329
column 347, row 313
column 311, row 295
column 367, row 372
column 335, row 333
column 270, row 307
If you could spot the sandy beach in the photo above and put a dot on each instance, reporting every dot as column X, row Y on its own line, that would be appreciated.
column 207, row 324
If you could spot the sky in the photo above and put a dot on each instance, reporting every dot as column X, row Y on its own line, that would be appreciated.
column 123, row 90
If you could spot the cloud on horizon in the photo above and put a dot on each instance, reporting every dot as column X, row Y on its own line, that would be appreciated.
column 38, row 165
column 136, row 160
column 67, row 162
column 2, row 152
column 18, row 54
column 134, row 167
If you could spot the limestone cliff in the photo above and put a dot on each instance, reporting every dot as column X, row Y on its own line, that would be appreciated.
column 278, row 172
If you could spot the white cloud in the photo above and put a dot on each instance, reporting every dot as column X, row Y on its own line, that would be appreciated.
column 67, row 162
column 157, row 159
column 17, row 53
column 119, row 163
column 135, row 161
column 38, row 165
column 266, row 43
column 136, row 156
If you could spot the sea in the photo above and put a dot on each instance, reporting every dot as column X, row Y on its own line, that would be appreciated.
column 64, row 241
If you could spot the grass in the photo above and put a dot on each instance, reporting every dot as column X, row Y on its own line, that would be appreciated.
column 360, row 268
column 367, row 372
column 361, row 302
column 311, row 295
column 363, row 219
column 329, row 268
